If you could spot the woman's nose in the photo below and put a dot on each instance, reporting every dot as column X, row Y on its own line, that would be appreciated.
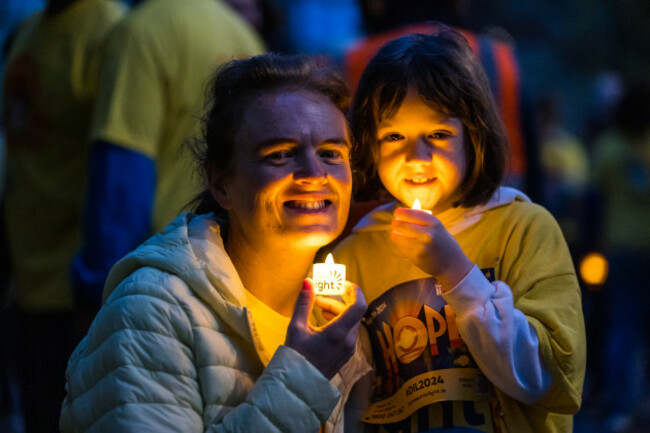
column 311, row 169
column 420, row 150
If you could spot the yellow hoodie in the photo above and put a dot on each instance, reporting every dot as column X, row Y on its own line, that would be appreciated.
column 525, row 329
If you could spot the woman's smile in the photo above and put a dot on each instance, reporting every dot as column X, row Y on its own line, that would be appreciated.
column 310, row 206
column 294, row 179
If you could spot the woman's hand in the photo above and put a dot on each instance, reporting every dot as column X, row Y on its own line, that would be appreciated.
column 327, row 347
column 425, row 240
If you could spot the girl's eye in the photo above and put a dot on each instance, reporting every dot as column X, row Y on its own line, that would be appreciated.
column 440, row 135
column 392, row 137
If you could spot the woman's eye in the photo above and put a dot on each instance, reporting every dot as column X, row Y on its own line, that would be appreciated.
column 392, row 137
column 277, row 157
column 331, row 154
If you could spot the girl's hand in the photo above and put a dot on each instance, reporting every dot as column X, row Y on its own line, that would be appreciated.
column 425, row 240
column 327, row 347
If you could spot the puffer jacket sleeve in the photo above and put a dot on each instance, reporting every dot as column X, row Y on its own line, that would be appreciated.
column 136, row 371
column 288, row 397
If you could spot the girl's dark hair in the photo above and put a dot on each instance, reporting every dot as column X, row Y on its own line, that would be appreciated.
column 239, row 83
column 446, row 72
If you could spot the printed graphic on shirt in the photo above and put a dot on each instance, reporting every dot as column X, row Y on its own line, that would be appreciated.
column 421, row 359
column 446, row 417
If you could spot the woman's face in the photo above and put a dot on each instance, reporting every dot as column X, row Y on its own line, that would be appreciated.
column 421, row 155
column 291, row 182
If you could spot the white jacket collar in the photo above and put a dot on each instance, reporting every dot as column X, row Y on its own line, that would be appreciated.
column 191, row 248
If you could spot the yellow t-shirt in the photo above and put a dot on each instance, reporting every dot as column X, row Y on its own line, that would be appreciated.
column 271, row 326
column 48, row 89
column 152, row 87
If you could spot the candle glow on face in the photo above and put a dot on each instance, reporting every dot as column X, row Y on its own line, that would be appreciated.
column 417, row 206
column 329, row 277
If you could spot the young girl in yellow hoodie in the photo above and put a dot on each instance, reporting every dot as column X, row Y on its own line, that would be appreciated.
column 474, row 317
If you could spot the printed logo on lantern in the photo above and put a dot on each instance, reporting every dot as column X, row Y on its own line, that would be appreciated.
column 329, row 277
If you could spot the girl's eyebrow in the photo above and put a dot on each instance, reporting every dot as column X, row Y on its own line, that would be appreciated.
column 385, row 123
column 449, row 121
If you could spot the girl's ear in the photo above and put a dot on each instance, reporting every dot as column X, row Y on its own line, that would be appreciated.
column 218, row 189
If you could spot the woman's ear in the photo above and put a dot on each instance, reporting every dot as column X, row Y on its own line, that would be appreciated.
column 218, row 189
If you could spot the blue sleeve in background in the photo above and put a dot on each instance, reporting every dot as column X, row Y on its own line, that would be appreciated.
column 121, row 187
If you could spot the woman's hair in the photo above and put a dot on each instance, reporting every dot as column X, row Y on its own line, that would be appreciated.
column 446, row 72
column 239, row 83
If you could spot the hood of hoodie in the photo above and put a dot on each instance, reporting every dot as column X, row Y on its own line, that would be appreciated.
column 455, row 220
column 191, row 248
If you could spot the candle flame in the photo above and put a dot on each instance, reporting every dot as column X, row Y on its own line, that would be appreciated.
column 417, row 206
column 329, row 259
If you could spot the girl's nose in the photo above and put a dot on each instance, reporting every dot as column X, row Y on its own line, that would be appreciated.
column 419, row 150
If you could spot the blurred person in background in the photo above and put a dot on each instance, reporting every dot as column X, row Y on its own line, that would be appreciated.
column 565, row 164
column 605, row 94
column 12, row 12
column 150, row 95
column 48, row 89
column 621, row 177
column 319, row 27
column 263, row 15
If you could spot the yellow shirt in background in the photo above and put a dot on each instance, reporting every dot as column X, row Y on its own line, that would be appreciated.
column 153, row 84
column 48, row 89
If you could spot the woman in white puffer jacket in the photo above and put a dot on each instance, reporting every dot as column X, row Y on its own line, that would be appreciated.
column 206, row 326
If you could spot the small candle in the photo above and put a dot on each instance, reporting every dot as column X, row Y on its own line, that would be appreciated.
column 416, row 206
column 329, row 277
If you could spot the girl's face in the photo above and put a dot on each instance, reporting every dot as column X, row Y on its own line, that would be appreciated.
column 422, row 155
